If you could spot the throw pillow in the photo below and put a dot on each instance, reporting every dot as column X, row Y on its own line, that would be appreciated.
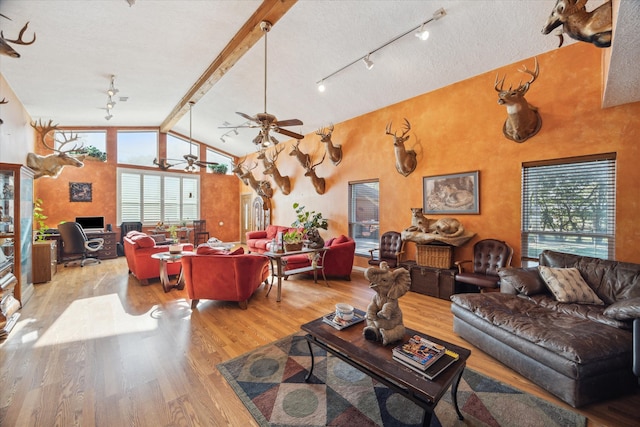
column 143, row 241
column 341, row 239
column 134, row 233
column 567, row 285
column 205, row 249
column 627, row 309
column 525, row 280
column 238, row 251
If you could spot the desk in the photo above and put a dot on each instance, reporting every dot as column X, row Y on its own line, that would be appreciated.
column 279, row 272
column 375, row 360
column 169, row 258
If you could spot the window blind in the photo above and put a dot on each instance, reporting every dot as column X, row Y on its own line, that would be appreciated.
column 569, row 205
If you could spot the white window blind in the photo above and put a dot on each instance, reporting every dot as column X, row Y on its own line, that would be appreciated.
column 569, row 205
column 363, row 215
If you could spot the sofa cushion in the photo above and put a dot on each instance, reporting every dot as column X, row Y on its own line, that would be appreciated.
column 624, row 310
column 567, row 285
column 525, row 280
column 238, row 251
column 205, row 249
column 340, row 239
column 143, row 241
column 134, row 233
column 272, row 231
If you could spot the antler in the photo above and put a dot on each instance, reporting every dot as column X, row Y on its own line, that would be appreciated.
column 274, row 157
column 19, row 40
column 406, row 128
column 310, row 168
column 43, row 130
column 534, row 74
column 324, row 132
column 4, row 101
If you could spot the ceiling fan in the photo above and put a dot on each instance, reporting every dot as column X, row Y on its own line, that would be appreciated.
column 190, row 159
column 265, row 121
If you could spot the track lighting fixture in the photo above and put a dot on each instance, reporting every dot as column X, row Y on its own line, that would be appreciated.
column 420, row 32
column 110, row 103
column 222, row 139
column 367, row 62
column 112, row 90
column 108, row 116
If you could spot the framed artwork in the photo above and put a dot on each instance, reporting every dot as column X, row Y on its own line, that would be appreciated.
column 451, row 194
column 80, row 191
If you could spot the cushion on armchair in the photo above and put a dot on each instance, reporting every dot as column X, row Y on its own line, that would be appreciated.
column 628, row 309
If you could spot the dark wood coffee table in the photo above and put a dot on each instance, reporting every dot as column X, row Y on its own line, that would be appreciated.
column 375, row 360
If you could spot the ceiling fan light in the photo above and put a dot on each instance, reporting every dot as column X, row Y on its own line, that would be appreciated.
column 367, row 62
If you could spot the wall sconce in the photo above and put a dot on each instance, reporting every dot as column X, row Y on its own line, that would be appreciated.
column 421, row 33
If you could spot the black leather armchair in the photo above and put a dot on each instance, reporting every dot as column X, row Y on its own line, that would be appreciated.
column 488, row 256
column 76, row 246
column 390, row 250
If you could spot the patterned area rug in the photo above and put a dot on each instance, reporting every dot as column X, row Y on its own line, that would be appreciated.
column 270, row 383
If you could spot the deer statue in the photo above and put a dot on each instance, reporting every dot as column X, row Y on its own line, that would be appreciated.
column 303, row 158
column 270, row 168
column 318, row 183
column 5, row 47
column 52, row 164
column 4, row 101
column 591, row 27
column 523, row 120
column 335, row 151
column 406, row 161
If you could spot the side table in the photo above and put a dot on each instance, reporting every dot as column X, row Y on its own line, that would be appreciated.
column 169, row 258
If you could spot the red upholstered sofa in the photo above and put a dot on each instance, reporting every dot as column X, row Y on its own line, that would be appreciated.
column 138, row 248
column 257, row 240
column 215, row 275
column 338, row 261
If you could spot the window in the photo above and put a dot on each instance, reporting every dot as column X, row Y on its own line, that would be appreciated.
column 178, row 147
column 569, row 205
column 94, row 143
column 363, row 215
column 221, row 159
column 152, row 197
column 137, row 147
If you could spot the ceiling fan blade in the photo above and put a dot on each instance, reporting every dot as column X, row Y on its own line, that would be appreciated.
column 203, row 164
column 246, row 116
column 289, row 133
column 290, row 122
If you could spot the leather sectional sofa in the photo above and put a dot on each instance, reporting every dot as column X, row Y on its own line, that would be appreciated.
column 582, row 353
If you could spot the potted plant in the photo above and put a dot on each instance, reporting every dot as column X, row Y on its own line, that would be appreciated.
column 292, row 240
column 220, row 168
column 308, row 220
column 38, row 218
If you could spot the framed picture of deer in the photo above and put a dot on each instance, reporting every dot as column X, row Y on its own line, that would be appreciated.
column 80, row 191
column 451, row 194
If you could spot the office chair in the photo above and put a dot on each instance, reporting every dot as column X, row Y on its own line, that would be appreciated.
column 76, row 246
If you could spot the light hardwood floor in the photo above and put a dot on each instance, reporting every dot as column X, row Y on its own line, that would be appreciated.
column 95, row 348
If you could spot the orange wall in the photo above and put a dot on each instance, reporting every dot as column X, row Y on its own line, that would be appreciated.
column 459, row 129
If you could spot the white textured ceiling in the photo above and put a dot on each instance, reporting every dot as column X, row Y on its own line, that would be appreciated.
column 159, row 48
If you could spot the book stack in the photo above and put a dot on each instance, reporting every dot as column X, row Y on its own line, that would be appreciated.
column 424, row 356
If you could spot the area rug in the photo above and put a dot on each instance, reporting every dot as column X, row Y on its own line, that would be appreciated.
column 270, row 383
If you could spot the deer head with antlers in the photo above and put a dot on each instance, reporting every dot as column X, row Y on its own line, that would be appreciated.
column 523, row 120
column 270, row 168
column 406, row 160
column 5, row 47
column 318, row 183
column 303, row 158
column 335, row 151
column 591, row 27
column 52, row 164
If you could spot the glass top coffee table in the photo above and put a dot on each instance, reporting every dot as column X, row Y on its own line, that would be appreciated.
column 375, row 360
column 169, row 258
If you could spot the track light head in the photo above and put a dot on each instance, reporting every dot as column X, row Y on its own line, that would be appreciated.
column 367, row 62
column 422, row 33
column 108, row 116
column 321, row 87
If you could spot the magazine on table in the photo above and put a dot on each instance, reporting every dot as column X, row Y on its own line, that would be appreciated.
column 418, row 352
column 443, row 362
column 338, row 323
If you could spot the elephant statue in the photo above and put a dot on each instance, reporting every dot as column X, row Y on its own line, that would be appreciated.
column 384, row 317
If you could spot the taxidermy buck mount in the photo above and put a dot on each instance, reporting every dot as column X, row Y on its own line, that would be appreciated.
column 406, row 160
column 318, row 183
column 523, row 120
column 591, row 27
column 52, row 164
column 6, row 49
column 270, row 168
column 335, row 151
column 261, row 187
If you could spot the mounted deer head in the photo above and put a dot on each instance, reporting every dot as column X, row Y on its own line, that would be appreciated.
column 261, row 187
column 4, row 101
column 318, row 183
column 52, row 164
column 523, row 120
column 591, row 27
column 302, row 157
column 406, row 160
column 6, row 49
column 270, row 168
column 239, row 171
column 335, row 151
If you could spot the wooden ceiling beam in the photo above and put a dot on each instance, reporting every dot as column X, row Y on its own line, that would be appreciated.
column 244, row 39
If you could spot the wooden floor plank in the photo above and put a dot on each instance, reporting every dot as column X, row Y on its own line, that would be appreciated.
column 93, row 347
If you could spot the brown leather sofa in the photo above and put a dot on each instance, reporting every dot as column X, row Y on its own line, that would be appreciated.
column 582, row 353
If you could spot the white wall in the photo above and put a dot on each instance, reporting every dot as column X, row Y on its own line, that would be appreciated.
column 16, row 133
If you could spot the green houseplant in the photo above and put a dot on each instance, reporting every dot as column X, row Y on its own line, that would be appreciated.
column 38, row 218
column 292, row 240
column 220, row 168
column 308, row 220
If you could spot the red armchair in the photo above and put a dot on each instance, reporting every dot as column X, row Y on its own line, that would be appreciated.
column 257, row 240
column 338, row 261
column 138, row 248
column 223, row 277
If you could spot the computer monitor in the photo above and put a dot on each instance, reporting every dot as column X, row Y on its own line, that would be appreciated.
column 91, row 223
